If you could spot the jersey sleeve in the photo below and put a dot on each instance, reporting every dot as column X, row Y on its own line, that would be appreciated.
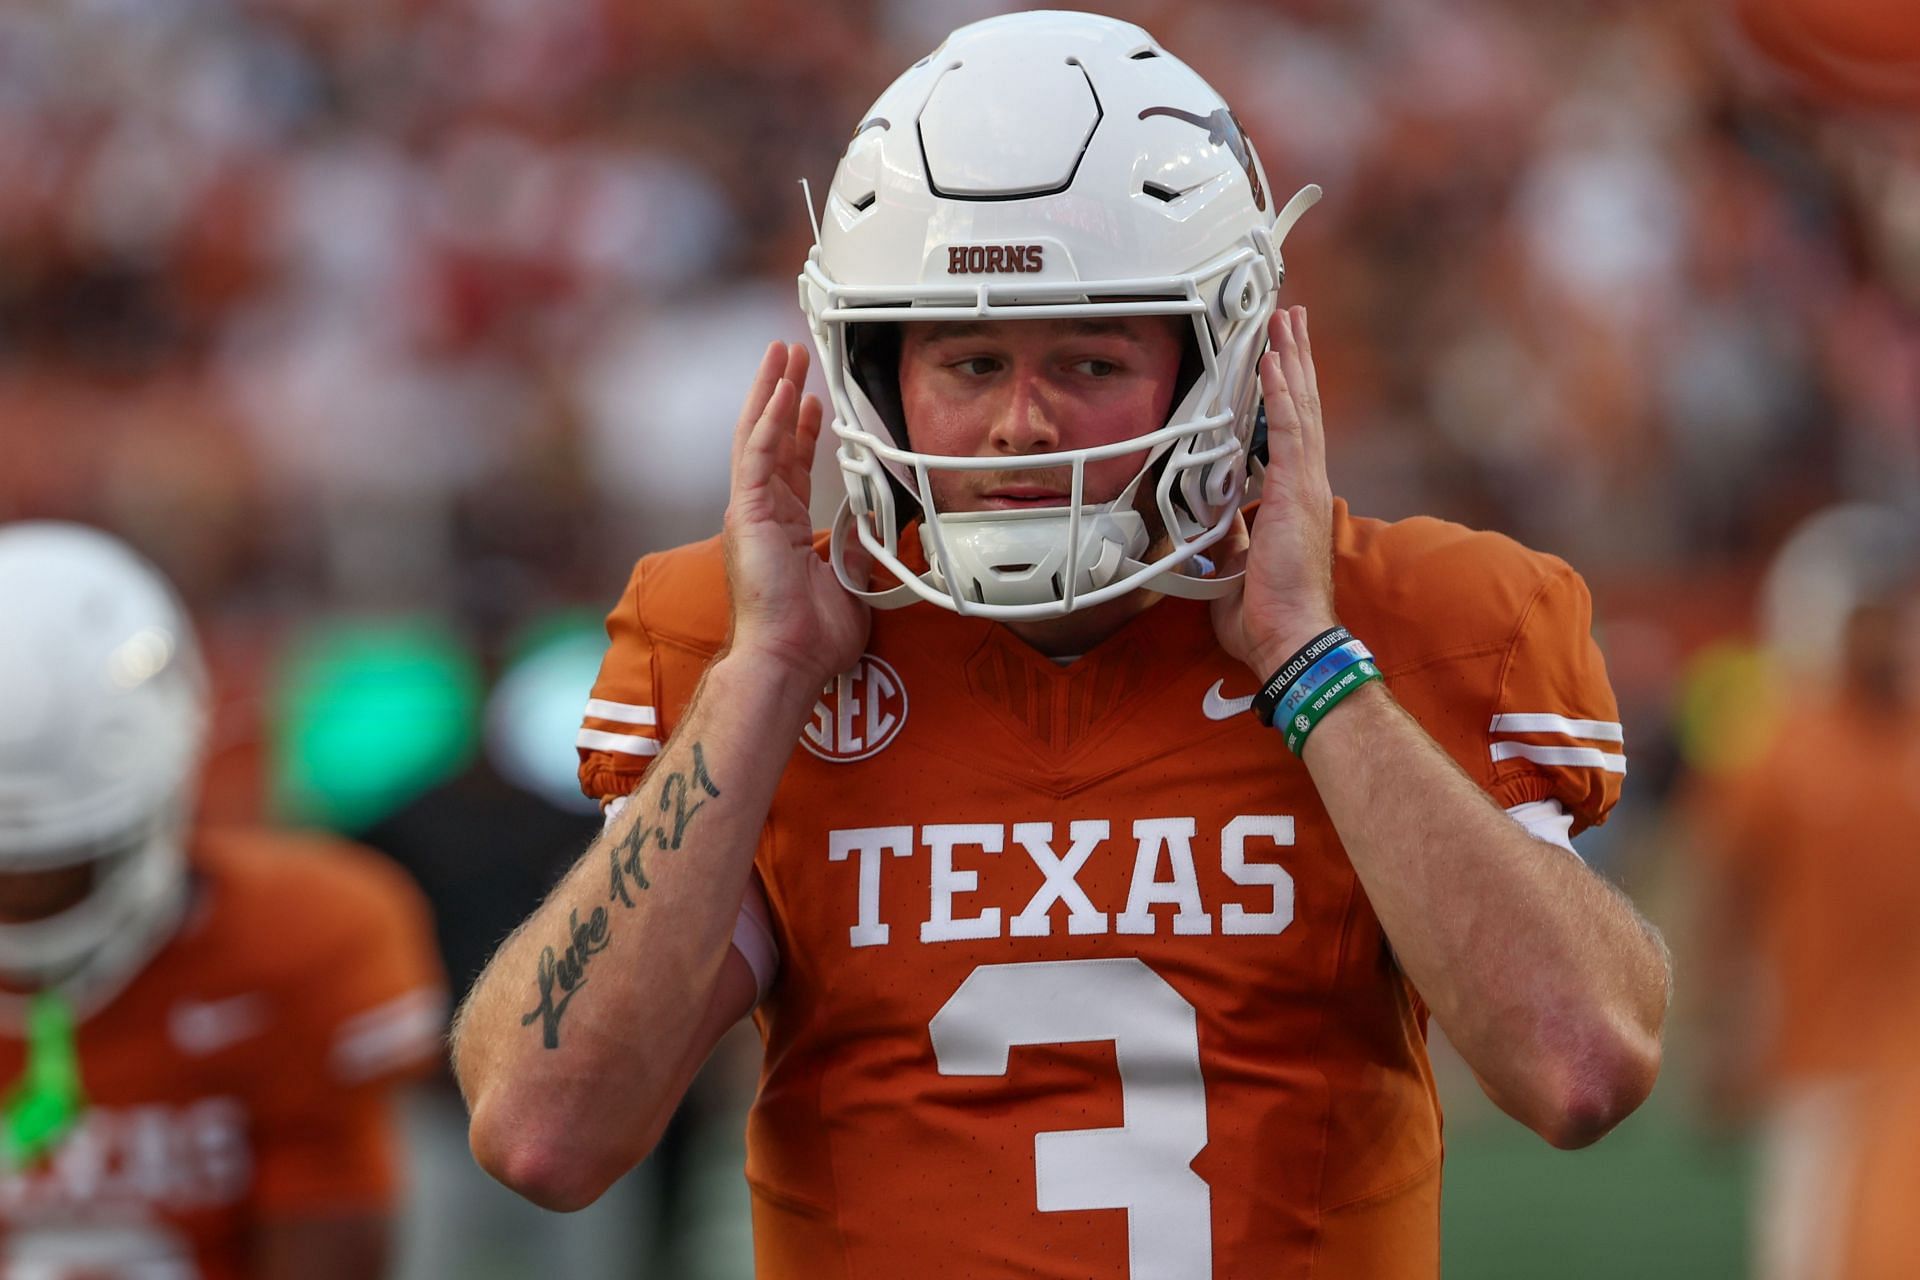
column 1554, row 732
column 620, row 729
column 1546, row 820
column 367, row 1012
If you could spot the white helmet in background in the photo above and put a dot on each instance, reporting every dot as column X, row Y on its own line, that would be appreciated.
column 1047, row 165
column 103, row 712
column 1834, row 561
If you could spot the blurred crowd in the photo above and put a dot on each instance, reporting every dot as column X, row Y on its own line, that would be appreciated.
column 345, row 300
column 443, row 308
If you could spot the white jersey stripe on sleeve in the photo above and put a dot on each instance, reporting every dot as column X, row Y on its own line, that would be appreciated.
column 1543, row 722
column 1578, row 757
column 629, row 744
column 391, row 1036
column 621, row 712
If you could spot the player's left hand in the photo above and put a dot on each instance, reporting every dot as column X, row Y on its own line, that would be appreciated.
column 1286, row 599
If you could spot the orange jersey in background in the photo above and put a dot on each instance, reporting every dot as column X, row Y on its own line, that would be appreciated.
column 1879, row 1239
column 243, row 1074
column 1818, row 837
column 1075, row 977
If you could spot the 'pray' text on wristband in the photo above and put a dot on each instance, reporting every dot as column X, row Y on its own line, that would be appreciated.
column 1267, row 701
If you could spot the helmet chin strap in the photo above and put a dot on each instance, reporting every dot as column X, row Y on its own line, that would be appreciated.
column 1187, row 587
column 897, row 597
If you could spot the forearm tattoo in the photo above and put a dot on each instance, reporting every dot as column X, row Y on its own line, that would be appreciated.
column 559, row 977
column 567, row 972
column 677, row 806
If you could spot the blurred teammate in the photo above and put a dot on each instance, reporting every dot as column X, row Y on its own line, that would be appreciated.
column 199, row 1032
column 1066, row 963
column 1807, row 977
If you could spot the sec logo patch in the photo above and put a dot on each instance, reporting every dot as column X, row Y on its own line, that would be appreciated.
column 858, row 713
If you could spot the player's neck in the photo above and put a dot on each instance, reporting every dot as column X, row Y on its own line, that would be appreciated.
column 1078, row 632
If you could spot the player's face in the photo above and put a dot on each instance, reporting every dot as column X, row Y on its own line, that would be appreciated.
column 26, row 896
column 1013, row 388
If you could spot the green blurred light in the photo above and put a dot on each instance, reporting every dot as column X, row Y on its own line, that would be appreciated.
column 370, row 715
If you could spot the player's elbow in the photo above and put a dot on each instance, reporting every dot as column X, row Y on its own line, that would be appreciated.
column 556, row 1168
column 1597, row 1085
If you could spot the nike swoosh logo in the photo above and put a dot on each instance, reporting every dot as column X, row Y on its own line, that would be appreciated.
column 1219, row 708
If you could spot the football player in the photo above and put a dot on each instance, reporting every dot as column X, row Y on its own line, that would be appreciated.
column 1804, row 954
column 200, row 1033
column 1089, row 848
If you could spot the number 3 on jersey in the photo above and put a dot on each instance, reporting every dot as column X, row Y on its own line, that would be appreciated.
column 1145, row 1165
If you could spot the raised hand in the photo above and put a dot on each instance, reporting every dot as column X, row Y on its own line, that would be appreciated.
column 789, row 610
column 1287, row 596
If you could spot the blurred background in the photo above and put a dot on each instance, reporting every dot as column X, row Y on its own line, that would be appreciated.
column 395, row 330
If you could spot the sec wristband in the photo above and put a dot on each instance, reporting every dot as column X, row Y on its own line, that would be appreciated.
column 1325, row 699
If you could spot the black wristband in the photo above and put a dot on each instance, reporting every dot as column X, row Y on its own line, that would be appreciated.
column 1268, row 699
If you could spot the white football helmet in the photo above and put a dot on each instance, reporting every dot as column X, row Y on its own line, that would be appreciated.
column 1047, row 165
column 103, row 712
column 1833, row 562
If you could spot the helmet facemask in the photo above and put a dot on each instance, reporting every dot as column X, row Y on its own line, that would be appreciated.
column 1050, row 561
column 88, row 948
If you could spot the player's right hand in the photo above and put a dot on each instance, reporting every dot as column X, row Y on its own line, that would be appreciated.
column 789, row 610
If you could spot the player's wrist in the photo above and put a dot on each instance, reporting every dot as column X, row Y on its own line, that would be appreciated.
column 1310, row 680
column 1318, row 738
column 790, row 681
column 1270, row 648
column 1321, row 701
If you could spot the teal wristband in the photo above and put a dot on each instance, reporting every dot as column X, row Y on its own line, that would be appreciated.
column 1316, row 677
column 1325, row 699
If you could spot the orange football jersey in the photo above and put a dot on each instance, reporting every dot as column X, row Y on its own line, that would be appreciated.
column 243, row 1074
column 1818, row 835
column 1075, row 977
column 1879, row 1238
